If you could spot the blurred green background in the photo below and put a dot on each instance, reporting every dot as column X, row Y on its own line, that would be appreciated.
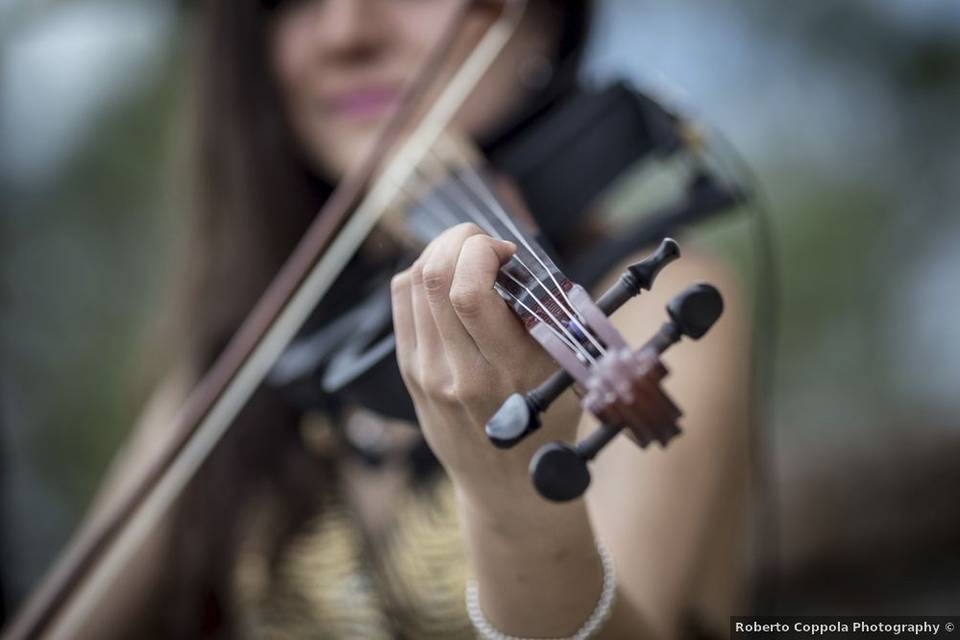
column 847, row 110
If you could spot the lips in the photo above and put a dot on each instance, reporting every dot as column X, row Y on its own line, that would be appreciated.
column 364, row 103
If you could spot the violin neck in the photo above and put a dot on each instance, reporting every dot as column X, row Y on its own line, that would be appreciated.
column 449, row 188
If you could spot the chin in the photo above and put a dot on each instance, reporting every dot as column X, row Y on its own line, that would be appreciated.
column 349, row 153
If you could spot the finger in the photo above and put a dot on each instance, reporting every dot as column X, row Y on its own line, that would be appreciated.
column 494, row 328
column 438, row 274
column 431, row 360
column 403, row 326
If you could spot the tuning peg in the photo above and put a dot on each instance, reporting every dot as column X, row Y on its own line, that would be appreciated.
column 519, row 415
column 692, row 313
column 696, row 309
column 559, row 471
column 647, row 270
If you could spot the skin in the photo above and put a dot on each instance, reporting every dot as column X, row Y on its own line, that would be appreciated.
column 462, row 351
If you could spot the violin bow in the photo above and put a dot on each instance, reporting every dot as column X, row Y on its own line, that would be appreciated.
column 92, row 560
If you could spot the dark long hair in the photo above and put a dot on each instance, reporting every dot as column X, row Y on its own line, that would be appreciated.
column 254, row 197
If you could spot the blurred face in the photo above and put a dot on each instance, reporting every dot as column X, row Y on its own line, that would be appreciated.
column 342, row 66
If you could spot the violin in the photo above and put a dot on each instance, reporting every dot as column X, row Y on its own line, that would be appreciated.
column 420, row 179
column 606, row 134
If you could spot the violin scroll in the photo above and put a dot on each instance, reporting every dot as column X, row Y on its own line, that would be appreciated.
column 559, row 471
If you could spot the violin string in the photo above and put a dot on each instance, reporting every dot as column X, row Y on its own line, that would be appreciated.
column 580, row 353
column 472, row 214
column 479, row 216
column 446, row 218
column 480, row 188
column 568, row 340
column 491, row 205
column 485, row 223
column 437, row 215
column 565, row 330
column 497, row 209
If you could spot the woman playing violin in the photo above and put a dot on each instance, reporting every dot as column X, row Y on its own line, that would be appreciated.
column 287, row 531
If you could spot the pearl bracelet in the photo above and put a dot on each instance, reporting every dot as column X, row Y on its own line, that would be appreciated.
column 593, row 624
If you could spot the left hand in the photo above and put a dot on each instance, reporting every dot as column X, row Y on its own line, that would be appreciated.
column 461, row 352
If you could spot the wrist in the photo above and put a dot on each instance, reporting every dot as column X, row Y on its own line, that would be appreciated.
column 512, row 506
column 536, row 568
column 598, row 617
column 523, row 526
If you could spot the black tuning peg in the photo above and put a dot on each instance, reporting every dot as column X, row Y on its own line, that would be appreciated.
column 647, row 270
column 692, row 313
column 519, row 416
column 559, row 471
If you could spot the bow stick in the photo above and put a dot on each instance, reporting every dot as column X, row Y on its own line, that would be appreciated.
column 95, row 556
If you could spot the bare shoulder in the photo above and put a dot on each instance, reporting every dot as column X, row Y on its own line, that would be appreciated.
column 661, row 510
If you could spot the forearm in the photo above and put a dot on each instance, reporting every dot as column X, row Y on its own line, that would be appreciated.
column 538, row 569
column 461, row 351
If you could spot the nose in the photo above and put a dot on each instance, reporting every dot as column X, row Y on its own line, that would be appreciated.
column 351, row 30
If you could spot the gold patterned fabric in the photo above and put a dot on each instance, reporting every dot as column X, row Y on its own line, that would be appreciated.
column 332, row 582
